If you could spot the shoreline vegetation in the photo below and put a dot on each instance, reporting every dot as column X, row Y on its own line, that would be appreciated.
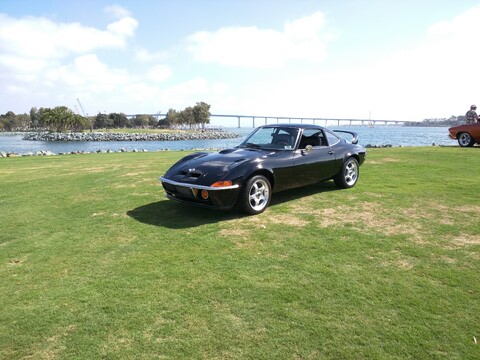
column 452, row 121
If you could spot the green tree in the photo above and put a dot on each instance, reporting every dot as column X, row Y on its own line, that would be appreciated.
column 79, row 123
column 171, row 119
column 59, row 118
column 40, row 118
column 196, row 116
column 186, row 117
column 102, row 121
column 8, row 121
column 140, row 121
column 201, row 113
column 152, row 121
column 22, row 121
column 119, row 120
column 35, row 116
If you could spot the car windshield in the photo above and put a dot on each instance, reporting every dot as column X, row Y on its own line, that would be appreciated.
column 271, row 137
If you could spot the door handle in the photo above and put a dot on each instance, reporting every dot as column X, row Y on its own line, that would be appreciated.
column 331, row 152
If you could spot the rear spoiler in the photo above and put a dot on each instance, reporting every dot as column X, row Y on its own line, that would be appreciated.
column 354, row 139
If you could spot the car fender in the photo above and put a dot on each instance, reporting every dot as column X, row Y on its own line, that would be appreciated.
column 356, row 155
column 246, row 170
column 349, row 155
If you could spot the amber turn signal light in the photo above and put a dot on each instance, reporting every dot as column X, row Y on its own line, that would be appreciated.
column 222, row 183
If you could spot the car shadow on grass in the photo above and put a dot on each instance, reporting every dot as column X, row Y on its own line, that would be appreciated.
column 173, row 215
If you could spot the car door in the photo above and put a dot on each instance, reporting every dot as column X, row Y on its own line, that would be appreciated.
column 314, row 160
column 283, row 167
column 475, row 132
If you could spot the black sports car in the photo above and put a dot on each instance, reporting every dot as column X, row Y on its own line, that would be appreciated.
column 271, row 159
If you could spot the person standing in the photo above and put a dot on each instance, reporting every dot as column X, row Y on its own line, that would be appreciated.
column 471, row 116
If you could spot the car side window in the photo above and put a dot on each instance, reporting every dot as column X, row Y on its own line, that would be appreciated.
column 313, row 137
column 332, row 138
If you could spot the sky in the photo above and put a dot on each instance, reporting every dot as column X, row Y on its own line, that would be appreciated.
column 352, row 59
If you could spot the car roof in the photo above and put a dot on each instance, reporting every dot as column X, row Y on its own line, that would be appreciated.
column 295, row 126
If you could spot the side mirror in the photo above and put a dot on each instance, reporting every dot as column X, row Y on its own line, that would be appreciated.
column 307, row 149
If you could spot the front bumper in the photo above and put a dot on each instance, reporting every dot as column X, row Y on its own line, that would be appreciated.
column 218, row 197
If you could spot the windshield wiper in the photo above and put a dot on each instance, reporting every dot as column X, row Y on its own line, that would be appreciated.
column 252, row 146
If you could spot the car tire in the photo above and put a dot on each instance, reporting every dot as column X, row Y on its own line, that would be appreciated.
column 465, row 140
column 348, row 177
column 255, row 195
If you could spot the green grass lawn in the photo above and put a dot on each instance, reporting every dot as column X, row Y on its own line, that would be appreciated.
column 96, row 263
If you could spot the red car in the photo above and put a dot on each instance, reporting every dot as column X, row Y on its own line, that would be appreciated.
column 467, row 135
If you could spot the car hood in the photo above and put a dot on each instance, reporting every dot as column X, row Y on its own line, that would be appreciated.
column 206, row 168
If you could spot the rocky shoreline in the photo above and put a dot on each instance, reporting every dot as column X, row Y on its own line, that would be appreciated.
column 4, row 154
column 112, row 137
column 104, row 136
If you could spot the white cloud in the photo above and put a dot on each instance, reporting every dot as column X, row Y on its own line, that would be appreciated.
column 54, row 62
column 12, row 89
column 305, row 37
column 17, row 66
column 143, row 94
column 46, row 63
column 143, row 55
column 434, row 78
column 467, row 23
column 117, row 11
column 123, row 29
column 160, row 73
column 189, row 92
column 34, row 38
column 262, row 48
column 89, row 73
column 196, row 86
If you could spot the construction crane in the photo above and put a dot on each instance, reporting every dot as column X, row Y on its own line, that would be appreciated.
column 81, row 107
column 85, row 114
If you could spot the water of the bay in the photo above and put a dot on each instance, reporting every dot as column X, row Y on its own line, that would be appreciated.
column 378, row 135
